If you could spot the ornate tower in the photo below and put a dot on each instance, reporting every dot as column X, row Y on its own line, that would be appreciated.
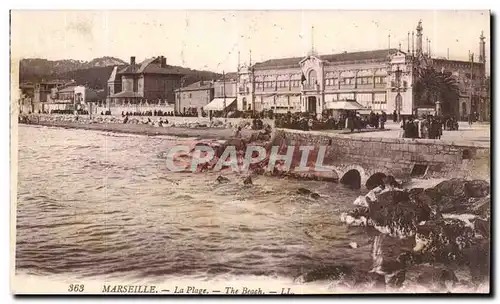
column 419, row 38
column 482, row 48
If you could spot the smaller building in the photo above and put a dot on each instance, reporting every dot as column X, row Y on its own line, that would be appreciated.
column 194, row 97
column 70, row 97
column 26, row 98
column 206, row 96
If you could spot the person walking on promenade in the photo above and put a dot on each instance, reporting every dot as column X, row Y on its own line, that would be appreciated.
column 470, row 119
column 383, row 119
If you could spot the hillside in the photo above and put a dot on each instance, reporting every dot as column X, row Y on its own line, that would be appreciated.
column 36, row 69
column 94, row 73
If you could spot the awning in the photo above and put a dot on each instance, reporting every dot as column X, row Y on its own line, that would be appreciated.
column 344, row 105
column 217, row 104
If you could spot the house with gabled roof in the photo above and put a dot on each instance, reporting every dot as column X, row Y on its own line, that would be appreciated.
column 149, row 82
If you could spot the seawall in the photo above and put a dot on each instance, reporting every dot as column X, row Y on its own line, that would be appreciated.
column 400, row 157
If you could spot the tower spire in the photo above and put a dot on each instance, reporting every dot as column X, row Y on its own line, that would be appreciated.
column 312, row 39
column 238, row 61
column 250, row 58
column 408, row 41
column 413, row 42
column 482, row 48
column 419, row 49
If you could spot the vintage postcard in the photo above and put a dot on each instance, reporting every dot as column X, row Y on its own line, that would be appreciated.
column 250, row 152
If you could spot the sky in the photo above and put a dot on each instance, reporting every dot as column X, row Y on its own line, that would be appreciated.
column 211, row 40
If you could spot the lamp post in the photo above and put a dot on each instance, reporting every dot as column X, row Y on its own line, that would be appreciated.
column 224, row 94
column 398, row 90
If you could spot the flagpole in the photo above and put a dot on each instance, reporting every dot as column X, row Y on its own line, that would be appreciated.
column 224, row 92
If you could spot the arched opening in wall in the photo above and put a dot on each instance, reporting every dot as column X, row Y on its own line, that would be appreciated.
column 418, row 170
column 464, row 110
column 466, row 154
column 375, row 180
column 351, row 178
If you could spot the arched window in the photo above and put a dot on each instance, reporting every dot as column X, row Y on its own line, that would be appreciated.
column 399, row 103
column 312, row 77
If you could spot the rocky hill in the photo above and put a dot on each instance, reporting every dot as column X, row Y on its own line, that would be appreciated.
column 94, row 73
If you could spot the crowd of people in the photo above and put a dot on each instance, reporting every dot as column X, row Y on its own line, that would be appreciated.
column 428, row 126
column 351, row 120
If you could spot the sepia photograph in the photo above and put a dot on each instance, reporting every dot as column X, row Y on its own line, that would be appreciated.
column 250, row 152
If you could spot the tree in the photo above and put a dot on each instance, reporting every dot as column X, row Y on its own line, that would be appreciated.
column 432, row 86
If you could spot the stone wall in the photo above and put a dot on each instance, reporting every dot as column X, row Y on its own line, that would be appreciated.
column 395, row 156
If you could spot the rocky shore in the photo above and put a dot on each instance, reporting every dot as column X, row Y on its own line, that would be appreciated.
column 445, row 228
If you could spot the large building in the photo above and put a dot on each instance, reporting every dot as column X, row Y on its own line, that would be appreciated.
column 149, row 82
column 379, row 80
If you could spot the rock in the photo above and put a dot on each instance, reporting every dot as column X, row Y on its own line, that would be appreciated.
column 415, row 191
column 330, row 273
column 393, row 197
column 248, row 180
column 361, row 201
column 477, row 257
column 477, row 188
column 443, row 240
column 395, row 214
column 304, row 191
column 481, row 207
column 353, row 245
column 437, row 279
column 390, row 181
column 458, row 195
column 454, row 187
column 221, row 179
column 315, row 195
column 482, row 227
column 356, row 217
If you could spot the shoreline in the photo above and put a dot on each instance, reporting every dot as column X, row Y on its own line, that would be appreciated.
column 148, row 130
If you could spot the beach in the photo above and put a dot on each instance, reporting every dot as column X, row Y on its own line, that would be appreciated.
column 145, row 129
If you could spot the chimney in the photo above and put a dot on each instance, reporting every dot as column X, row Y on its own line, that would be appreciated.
column 163, row 61
column 132, row 60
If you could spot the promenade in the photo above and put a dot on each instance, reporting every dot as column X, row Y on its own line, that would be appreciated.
column 478, row 133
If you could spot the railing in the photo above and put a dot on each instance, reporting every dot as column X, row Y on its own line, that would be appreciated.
column 308, row 86
column 270, row 89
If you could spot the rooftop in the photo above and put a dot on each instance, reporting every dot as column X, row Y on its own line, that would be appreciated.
column 353, row 56
column 197, row 86
column 127, row 94
column 442, row 60
column 229, row 76
column 151, row 66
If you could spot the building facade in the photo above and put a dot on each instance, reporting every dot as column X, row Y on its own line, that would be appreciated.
column 379, row 80
column 70, row 97
column 194, row 96
column 151, row 82
column 200, row 94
